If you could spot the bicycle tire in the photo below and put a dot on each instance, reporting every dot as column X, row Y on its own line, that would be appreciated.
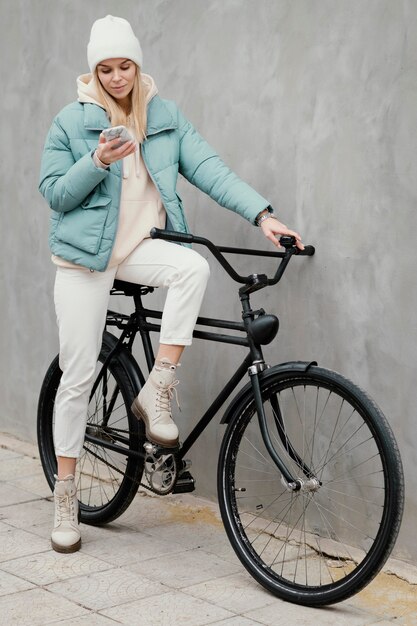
column 321, row 546
column 104, row 493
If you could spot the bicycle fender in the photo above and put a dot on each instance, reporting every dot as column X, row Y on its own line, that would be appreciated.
column 282, row 368
column 125, row 357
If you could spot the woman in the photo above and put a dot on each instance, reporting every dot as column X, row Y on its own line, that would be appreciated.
column 104, row 202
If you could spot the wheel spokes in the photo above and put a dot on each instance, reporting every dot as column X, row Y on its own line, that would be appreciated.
column 310, row 538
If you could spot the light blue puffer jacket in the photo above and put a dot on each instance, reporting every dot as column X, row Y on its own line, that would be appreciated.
column 85, row 199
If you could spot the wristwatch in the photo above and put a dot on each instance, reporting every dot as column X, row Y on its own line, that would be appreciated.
column 264, row 216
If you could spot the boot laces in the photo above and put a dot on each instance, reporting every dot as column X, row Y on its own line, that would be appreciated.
column 165, row 395
column 65, row 508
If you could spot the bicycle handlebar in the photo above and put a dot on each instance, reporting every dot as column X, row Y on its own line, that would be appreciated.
column 287, row 242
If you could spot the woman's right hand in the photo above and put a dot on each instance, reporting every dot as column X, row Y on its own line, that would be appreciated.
column 108, row 155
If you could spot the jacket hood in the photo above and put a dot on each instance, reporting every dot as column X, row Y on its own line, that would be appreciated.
column 87, row 91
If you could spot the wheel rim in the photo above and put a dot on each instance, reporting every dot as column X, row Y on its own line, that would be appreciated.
column 308, row 540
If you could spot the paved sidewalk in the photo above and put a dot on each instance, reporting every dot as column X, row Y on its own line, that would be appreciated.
column 165, row 561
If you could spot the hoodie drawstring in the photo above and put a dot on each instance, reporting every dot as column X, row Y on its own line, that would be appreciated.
column 137, row 165
column 125, row 167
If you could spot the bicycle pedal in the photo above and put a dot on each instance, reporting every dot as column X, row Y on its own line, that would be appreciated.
column 157, row 450
column 185, row 483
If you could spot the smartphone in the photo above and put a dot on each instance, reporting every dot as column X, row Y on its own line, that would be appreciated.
column 119, row 132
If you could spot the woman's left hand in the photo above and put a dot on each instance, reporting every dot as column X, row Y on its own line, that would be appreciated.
column 272, row 227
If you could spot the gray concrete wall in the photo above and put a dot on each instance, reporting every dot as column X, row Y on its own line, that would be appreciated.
column 314, row 104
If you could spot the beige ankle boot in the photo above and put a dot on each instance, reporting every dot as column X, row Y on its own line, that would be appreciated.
column 66, row 535
column 153, row 405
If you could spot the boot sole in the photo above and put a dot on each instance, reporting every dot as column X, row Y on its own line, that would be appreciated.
column 140, row 414
column 66, row 549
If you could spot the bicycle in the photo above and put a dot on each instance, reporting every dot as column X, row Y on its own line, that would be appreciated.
column 310, row 480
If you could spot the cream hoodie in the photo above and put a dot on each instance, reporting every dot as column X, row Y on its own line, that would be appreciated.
column 141, row 207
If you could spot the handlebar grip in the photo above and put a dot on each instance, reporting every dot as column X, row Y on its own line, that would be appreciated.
column 308, row 251
column 171, row 235
column 288, row 242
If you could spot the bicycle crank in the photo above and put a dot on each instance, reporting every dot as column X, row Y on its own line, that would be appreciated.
column 161, row 470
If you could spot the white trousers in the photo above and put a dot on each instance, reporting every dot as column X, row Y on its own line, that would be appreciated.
column 81, row 301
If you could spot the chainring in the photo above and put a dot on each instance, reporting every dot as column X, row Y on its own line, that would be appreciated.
column 161, row 472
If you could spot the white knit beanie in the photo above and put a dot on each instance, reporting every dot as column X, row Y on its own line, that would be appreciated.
column 112, row 38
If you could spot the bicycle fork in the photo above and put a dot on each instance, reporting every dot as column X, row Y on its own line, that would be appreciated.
column 261, row 330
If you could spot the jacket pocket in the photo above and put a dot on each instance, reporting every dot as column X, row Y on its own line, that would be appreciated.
column 95, row 199
column 83, row 227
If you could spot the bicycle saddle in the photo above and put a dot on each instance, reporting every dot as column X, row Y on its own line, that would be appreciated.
column 130, row 289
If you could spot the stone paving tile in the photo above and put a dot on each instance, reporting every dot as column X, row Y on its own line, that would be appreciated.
column 92, row 619
column 193, row 526
column 222, row 549
column 18, row 446
column 402, row 569
column 145, row 512
column 107, row 532
column 289, row 614
column 184, row 569
column 12, row 584
column 49, row 567
column 384, row 623
column 103, row 590
column 10, row 494
column 139, row 547
column 36, row 607
column 190, row 535
column 36, row 484
column 193, row 511
column 36, row 511
column 237, row 593
column 88, row 533
column 18, row 467
column 388, row 597
column 15, row 543
column 235, row 621
column 168, row 609
column 6, row 454
column 197, row 535
column 407, row 620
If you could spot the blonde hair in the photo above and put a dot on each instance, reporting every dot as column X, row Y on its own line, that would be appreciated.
column 115, row 112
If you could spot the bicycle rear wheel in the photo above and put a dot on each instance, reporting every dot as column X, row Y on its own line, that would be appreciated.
column 107, row 481
column 325, row 542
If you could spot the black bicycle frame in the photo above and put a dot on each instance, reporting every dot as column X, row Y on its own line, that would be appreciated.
column 253, row 363
column 138, row 323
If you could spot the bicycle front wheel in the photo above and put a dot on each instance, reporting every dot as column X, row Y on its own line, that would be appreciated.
column 107, row 480
column 325, row 542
